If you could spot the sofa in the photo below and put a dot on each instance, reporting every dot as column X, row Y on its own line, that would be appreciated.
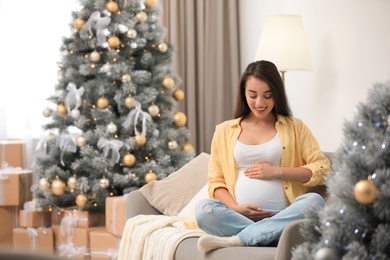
column 177, row 194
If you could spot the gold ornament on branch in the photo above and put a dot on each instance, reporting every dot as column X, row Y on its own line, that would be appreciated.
column 102, row 103
column 168, row 82
column 172, row 145
column 78, row 23
column 188, row 147
column 153, row 110
column 162, row 47
column 141, row 16
column 113, row 41
column 58, row 187
column 72, row 182
column 180, row 119
column 43, row 184
column 61, row 109
column 94, row 56
column 150, row 3
column 104, row 183
column 111, row 128
column 150, row 176
column 126, row 78
column 129, row 159
column 81, row 200
column 365, row 191
column 131, row 34
column 46, row 112
column 139, row 139
column 178, row 95
column 112, row 7
column 80, row 141
column 130, row 102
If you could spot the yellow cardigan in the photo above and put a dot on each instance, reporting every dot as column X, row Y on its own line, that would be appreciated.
column 299, row 149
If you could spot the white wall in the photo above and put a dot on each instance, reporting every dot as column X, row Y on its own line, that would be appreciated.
column 349, row 42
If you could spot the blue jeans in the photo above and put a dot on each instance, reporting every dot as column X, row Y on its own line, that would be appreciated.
column 217, row 219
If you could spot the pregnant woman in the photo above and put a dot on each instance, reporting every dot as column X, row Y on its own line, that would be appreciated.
column 261, row 164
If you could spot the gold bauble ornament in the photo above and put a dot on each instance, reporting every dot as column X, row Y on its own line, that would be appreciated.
column 168, row 82
column 61, row 109
column 365, row 192
column 178, row 94
column 150, row 176
column 141, row 16
column 180, row 119
column 81, row 200
column 126, row 78
column 46, row 112
column 111, row 128
column 112, row 7
column 43, row 184
column 80, row 141
column 104, row 183
column 78, row 23
column 130, row 102
column 72, row 182
column 131, row 34
column 113, row 41
column 150, row 3
column 188, row 147
column 94, row 56
column 102, row 103
column 172, row 145
column 163, row 47
column 139, row 139
column 129, row 159
column 58, row 187
column 153, row 110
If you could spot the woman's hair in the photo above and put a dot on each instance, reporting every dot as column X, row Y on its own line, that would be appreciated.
column 266, row 71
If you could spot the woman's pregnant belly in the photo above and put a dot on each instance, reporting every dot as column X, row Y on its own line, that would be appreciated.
column 266, row 194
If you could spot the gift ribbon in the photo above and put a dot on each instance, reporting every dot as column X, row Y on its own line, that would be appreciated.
column 100, row 24
column 70, row 250
column 112, row 253
column 136, row 113
column 42, row 143
column 33, row 234
column 114, row 145
column 73, row 98
column 114, row 210
column 67, row 141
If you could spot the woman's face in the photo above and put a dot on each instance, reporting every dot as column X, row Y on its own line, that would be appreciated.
column 259, row 98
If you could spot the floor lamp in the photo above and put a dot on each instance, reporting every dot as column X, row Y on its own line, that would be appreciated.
column 283, row 41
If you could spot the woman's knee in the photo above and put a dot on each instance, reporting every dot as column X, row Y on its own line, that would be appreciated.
column 314, row 199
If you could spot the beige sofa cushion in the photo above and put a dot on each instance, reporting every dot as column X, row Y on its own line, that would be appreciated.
column 171, row 194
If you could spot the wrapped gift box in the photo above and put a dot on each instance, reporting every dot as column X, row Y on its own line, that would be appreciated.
column 34, row 219
column 9, row 220
column 33, row 239
column 104, row 245
column 116, row 214
column 13, row 153
column 15, row 187
column 81, row 218
column 69, row 239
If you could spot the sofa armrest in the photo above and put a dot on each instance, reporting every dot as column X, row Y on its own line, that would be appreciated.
column 290, row 238
column 136, row 204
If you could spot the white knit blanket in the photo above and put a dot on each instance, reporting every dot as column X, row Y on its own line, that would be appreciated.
column 147, row 237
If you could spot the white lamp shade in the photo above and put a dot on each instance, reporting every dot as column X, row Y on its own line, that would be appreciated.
column 283, row 41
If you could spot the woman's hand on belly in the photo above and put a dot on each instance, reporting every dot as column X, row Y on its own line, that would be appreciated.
column 263, row 170
column 252, row 211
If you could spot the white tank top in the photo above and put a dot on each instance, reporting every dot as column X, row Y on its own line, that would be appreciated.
column 267, row 194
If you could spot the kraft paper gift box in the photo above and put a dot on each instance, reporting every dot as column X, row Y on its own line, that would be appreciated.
column 34, row 219
column 81, row 218
column 33, row 239
column 15, row 187
column 13, row 153
column 71, row 241
column 116, row 214
column 104, row 245
column 9, row 217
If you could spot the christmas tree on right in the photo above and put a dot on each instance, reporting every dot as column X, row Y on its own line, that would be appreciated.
column 355, row 223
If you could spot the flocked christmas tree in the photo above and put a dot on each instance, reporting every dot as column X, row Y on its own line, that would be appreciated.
column 355, row 224
column 113, row 124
